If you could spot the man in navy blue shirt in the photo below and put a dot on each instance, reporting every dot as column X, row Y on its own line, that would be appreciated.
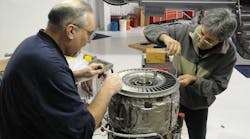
column 38, row 96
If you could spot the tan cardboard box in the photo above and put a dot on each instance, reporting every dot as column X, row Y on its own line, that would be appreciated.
column 3, row 64
column 147, row 20
column 142, row 18
column 155, row 55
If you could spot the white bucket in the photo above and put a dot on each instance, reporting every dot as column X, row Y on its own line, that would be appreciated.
column 123, row 25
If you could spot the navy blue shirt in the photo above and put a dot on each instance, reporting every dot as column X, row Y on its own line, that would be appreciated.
column 38, row 96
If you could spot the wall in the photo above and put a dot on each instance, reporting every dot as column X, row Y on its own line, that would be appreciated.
column 124, row 9
column 104, row 12
column 22, row 18
column 19, row 19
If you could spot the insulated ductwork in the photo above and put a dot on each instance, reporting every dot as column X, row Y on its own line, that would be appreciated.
column 157, row 7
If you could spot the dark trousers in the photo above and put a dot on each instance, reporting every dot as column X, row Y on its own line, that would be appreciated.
column 196, row 121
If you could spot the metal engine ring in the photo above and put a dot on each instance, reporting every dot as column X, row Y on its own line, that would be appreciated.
column 147, row 83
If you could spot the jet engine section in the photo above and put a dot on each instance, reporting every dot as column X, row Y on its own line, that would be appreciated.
column 148, row 103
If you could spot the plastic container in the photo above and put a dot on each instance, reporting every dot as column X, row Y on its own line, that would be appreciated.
column 114, row 26
column 123, row 25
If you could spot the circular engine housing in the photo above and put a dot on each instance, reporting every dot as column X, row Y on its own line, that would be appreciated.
column 147, row 103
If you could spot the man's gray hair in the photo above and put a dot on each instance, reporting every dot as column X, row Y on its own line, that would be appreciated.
column 72, row 11
column 220, row 22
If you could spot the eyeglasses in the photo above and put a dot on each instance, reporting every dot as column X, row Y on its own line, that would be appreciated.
column 91, row 34
column 210, row 43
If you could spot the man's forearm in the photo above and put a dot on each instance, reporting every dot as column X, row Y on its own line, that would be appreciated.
column 99, row 105
column 80, row 73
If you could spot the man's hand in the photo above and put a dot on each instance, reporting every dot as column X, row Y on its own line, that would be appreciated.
column 94, row 69
column 173, row 46
column 91, row 70
column 112, row 84
column 186, row 79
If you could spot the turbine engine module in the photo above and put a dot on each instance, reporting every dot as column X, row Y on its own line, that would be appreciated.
column 147, row 103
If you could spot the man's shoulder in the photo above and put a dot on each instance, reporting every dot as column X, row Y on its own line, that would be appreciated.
column 188, row 27
column 38, row 54
column 182, row 31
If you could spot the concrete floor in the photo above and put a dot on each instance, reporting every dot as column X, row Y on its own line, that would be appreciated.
column 228, row 116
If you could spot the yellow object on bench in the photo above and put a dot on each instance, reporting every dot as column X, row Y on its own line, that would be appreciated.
column 155, row 55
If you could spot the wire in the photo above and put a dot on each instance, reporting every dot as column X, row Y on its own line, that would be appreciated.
column 133, row 135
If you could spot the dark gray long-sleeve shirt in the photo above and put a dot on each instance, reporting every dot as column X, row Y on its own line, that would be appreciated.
column 212, row 69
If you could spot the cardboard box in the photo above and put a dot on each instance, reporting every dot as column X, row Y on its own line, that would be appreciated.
column 3, row 64
column 155, row 55
column 142, row 18
column 147, row 20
